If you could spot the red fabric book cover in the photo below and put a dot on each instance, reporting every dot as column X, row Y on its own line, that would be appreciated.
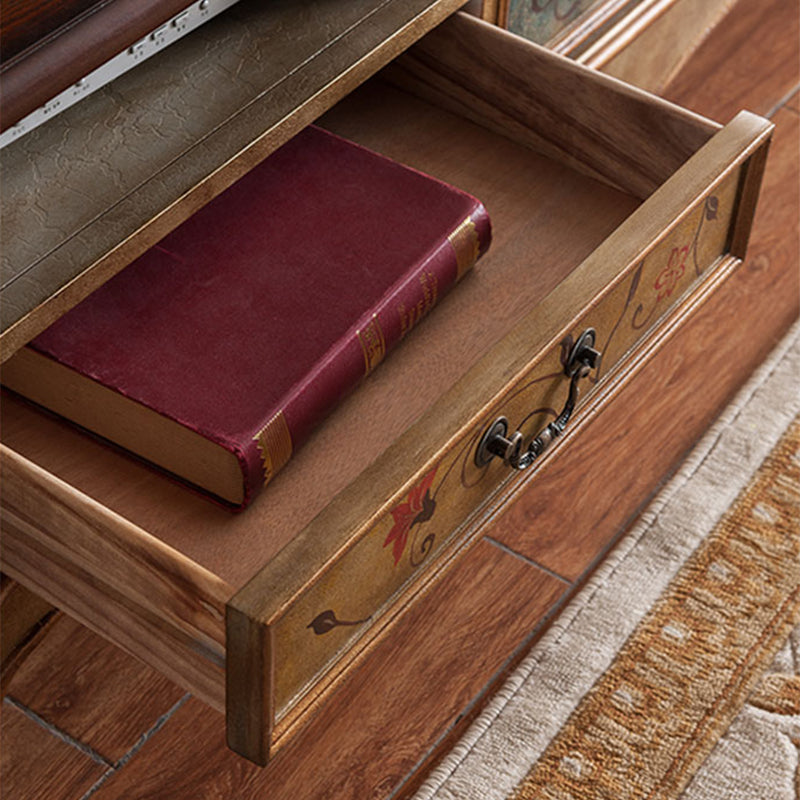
column 253, row 318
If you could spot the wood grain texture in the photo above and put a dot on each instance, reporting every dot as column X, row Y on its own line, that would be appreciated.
column 794, row 102
column 91, row 690
column 25, row 22
column 21, row 611
column 195, row 779
column 735, row 68
column 90, row 35
column 364, row 742
column 249, row 686
column 770, row 274
column 110, row 176
column 615, row 133
column 653, row 48
column 23, row 615
column 675, row 397
column 36, row 764
column 157, row 601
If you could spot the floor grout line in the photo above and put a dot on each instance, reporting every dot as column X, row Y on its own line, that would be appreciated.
column 98, row 783
column 782, row 102
column 159, row 724
column 58, row 733
column 506, row 549
column 141, row 741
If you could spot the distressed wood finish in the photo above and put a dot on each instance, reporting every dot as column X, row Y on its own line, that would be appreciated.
column 641, row 294
column 111, row 574
column 120, row 546
column 361, row 521
column 109, row 188
column 765, row 291
column 673, row 388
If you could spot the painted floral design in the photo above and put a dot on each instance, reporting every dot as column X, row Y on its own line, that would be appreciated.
column 417, row 508
column 327, row 621
column 672, row 273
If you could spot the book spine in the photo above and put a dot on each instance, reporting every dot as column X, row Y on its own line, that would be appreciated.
column 362, row 350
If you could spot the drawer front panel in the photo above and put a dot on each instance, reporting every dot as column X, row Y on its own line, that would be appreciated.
column 353, row 592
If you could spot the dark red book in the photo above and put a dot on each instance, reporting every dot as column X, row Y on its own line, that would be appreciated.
column 216, row 353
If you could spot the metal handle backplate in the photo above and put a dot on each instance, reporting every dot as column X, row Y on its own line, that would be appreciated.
column 496, row 442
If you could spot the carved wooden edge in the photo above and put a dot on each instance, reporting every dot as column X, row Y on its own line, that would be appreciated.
column 595, row 22
column 619, row 35
column 649, row 48
column 588, row 121
column 114, row 577
column 228, row 153
column 267, row 596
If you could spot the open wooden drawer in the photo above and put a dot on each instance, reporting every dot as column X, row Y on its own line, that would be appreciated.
column 612, row 210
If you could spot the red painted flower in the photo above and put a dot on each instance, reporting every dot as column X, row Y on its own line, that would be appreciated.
column 418, row 508
column 672, row 273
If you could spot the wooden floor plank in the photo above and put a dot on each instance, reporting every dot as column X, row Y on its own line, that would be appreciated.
column 749, row 61
column 384, row 717
column 23, row 615
column 568, row 537
column 794, row 102
column 91, row 690
column 36, row 764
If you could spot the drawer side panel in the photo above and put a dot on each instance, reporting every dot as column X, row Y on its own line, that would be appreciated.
column 113, row 576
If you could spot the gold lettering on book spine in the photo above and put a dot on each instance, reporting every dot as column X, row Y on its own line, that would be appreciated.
column 373, row 344
column 464, row 240
column 275, row 444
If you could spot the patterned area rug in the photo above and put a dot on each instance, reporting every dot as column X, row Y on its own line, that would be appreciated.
column 675, row 673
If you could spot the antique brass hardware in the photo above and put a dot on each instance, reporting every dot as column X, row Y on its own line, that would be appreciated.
column 496, row 442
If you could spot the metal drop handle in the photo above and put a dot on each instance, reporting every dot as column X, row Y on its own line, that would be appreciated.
column 496, row 442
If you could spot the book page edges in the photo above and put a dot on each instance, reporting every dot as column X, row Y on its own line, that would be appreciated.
column 125, row 422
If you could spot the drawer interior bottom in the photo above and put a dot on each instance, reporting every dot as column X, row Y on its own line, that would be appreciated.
column 546, row 219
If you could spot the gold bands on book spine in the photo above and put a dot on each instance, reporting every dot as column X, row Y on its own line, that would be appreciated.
column 464, row 240
column 373, row 344
column 275, row 444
